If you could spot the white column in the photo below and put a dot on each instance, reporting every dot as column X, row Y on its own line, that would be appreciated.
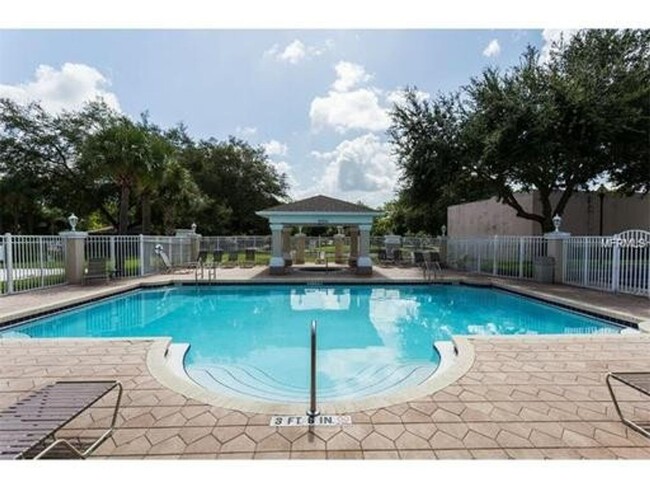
column 75, row 256
column 555, row 242
column 364, row 263
column 277, row 262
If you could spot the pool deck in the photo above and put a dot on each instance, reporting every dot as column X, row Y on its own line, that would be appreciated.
column 523, row 397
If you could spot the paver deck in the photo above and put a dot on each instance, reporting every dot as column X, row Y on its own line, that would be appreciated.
column 523, row 397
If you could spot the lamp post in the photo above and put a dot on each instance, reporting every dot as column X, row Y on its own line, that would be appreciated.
column 73, row 220
column 557, row 221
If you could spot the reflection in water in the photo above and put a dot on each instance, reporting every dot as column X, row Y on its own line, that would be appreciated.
column 254, row 338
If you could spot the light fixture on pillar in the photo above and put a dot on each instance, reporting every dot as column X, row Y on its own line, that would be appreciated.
column 443, row 230
column 557, row 221
column 193, row 227
column 339, row 229
column 300, row 229
column 73, row 220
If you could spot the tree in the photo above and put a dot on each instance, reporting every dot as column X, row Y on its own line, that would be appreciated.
column 118, row 154
column 553, row 127
column 39, row 154
column 431, row 154
column 238, row 180
column 612, row 69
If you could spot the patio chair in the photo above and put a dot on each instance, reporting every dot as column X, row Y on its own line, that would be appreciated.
column 97, row 271
column 217, row 257
column 384, row 260
column 638, row 381
column 167, row 264
column 399, row 259
column 29, row 423
column 232, row 261
column 249, row 259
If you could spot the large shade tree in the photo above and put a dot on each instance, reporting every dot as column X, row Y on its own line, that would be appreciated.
column 556, row 126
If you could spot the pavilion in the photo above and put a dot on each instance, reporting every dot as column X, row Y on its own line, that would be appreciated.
column 321, row 211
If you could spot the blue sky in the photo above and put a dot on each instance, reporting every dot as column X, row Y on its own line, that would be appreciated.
column 317, row 99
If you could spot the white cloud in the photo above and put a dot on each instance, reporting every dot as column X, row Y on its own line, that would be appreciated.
column 359, row 169
column 348, row 75
column 68, row 88
column 246, row 131
column 396, row 97
column 492, row 49
column 297, row 51
column 552, row 36
column 343, row 111
column 275, row 148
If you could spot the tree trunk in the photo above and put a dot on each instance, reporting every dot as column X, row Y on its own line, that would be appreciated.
column 123, row 221
column 146, row 213
column 120, row 255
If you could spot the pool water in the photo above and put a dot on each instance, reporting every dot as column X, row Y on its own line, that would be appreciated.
column 253, row 341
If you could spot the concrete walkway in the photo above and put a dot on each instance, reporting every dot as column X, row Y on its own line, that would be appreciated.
column 525, row 398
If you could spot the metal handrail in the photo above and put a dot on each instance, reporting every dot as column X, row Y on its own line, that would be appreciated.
column 313, row 412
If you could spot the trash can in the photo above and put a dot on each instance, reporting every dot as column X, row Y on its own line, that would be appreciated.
column 543, row 269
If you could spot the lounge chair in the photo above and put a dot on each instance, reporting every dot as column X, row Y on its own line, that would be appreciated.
column 167, row 264
column 637, row 381
column 232, row 261
column 217, row 257
column 384, row 260
column 30, row 422
column 249, row 259
column 97, row 271
column 398, row 258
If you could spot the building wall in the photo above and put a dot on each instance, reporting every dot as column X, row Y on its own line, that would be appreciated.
column 581, row 215
column 489, row 217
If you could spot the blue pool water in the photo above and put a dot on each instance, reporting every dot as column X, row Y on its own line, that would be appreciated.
column 253, row 341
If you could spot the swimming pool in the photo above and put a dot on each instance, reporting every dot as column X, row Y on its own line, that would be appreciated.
column 252, row 341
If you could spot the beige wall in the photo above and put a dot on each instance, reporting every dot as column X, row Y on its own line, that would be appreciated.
column 581, row 216
column 489, row 217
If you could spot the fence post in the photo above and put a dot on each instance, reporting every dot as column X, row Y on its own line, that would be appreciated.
column 141, row 256
column 494, row 256
column 616, row 264
column 585, row 263
column 521, row 257
column 40, row 260
column 112, row 252
column 9, row 263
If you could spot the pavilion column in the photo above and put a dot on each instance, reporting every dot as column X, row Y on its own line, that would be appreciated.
column 339, row 239
column 300, row 247
column 354, row 246
column 364, row 263
column 286, row 246
column 277, row 262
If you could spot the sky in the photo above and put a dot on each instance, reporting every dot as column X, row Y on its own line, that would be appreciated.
column 317, row 100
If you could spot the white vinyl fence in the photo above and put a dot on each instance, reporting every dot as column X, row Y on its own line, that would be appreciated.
column 31, row 262
column 129, row 256
column 619, row 263
column 507, row 256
